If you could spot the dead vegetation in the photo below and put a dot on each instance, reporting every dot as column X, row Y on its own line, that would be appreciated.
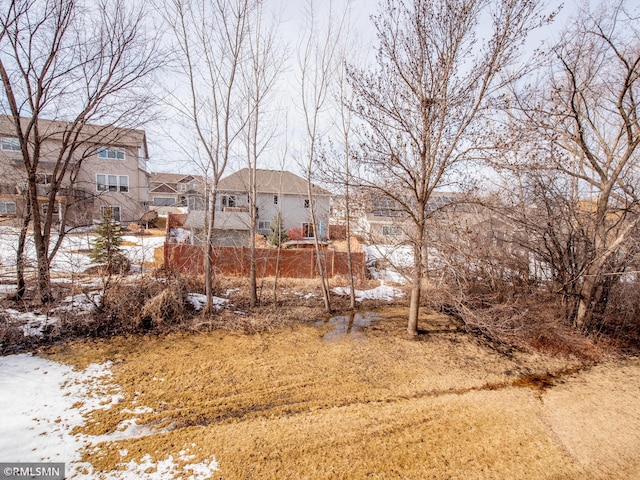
column 139, row 305
column 287, row 403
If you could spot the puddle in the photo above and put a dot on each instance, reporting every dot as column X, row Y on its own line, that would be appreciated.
column 348, row 325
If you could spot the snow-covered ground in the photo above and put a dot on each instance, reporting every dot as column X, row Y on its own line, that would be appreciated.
column 43, row 401
column 73, row 258
column 382, row 292
column 393, row 257
column 198, row 301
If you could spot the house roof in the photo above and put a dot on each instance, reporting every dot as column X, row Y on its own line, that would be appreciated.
column 269, row 181
column 95, row 134
column 165, row 177
column 163, row 188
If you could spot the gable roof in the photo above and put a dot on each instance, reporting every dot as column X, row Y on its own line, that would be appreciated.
column 91, row 133
column 269, row 181
column 168, row 178
column 163, row 188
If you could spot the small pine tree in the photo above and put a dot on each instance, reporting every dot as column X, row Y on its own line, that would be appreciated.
column 277, row 233
column 106, row 247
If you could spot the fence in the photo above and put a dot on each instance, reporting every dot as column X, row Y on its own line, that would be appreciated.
column 294, row 263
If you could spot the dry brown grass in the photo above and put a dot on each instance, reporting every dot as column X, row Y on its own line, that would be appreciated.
column 285, row 403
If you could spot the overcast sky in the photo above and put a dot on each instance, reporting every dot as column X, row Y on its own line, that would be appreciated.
column 164, row 156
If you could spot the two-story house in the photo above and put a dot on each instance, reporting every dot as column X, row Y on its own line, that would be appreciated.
column 384, row 221
column 109, row 167
column 176, row 193
column 277, row 191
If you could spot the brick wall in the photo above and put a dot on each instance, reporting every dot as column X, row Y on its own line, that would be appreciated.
column 294, row 263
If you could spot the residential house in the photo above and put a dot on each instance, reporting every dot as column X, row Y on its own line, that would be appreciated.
column 278, row 191
column 381, row 220
column 176, row 193
column 112, row 173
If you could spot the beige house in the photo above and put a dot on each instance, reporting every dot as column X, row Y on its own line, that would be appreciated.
column 109, row 166
column 382, row 221
column 176, row 193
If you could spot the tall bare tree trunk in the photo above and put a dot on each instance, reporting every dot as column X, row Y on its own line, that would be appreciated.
column 20, row 253
column 253, row 208
column 418, row 275
column 320, row 257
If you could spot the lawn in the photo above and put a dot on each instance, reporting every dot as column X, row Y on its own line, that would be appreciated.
column 309, row 401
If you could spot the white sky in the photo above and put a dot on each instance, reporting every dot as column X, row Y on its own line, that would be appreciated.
column 164, row 156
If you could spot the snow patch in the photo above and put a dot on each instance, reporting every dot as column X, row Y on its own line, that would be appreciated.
column 383, row 292
column 31, row 324
column 43, row 401
column 84, row 301
column 198, row 300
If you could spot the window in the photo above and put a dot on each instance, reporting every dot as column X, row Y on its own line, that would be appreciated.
column 112, row 153
column 123, row 183
column 263, row 225
column 44, row 178
column 7, row 208
column 45, row 208
column 306, row 203
column 115, row 212
column 275, row 199
column 391, row 231
column 163, row 201
column 385, row 207
column 112, row 183
column 182, row 187
column 228, row 200
column 10, row 143
column 307, row 228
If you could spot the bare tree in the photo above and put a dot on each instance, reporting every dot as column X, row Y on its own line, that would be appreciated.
column 63, row 69
column 419, row 107
column 278, row 223
column 211, row 41
column 584, row 122
column 260, row 72
column 319, row 59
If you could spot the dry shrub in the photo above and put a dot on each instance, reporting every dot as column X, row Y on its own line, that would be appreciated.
column 530, row 321
column 137, row 307
column 621, row 321
column 164, row 309
column 12, row 338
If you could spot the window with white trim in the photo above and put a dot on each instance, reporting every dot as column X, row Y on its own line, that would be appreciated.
column 228, row 200
column 115, row 212
column 163, row 201
column 111, row 153
column 307, row 228
column 11, row 144
column 7, row 208
column 106, row 182
column 264, row 225
column 56, row 208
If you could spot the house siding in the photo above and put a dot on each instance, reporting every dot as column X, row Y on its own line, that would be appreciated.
column 291, row 200
column 83, row 197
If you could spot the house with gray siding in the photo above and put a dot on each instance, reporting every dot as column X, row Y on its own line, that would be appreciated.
column 277, row 191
